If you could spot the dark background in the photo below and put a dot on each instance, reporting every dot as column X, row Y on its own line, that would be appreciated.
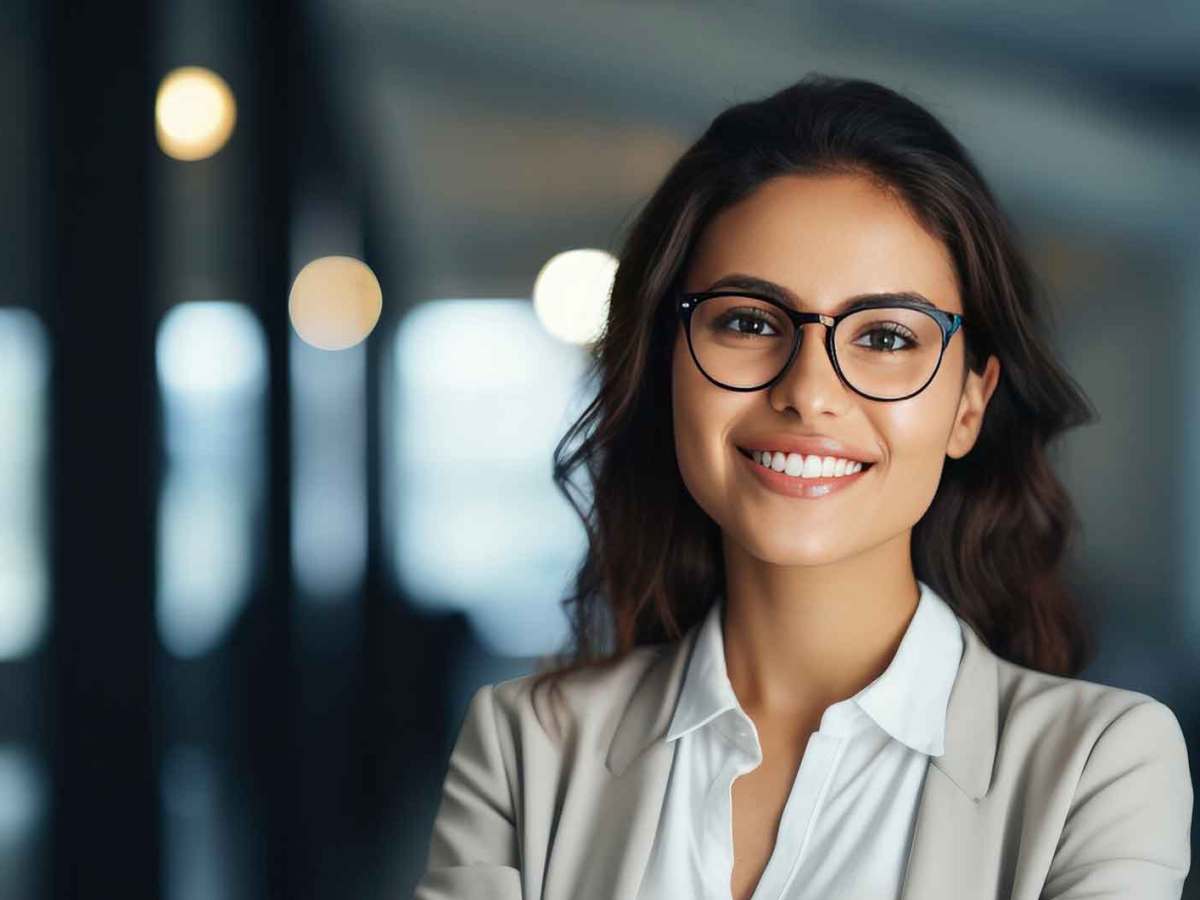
column 247, row 586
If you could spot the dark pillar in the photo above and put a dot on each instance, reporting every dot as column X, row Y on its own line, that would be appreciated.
column 266, row 668
column 103, row 718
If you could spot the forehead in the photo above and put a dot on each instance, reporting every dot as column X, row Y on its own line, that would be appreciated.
column 826, row 237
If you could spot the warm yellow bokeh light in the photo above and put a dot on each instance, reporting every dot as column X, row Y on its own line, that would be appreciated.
column 570, row 295
column 335, row 302
column 194, row 113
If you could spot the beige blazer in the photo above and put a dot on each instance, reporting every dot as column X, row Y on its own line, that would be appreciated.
column 1050, row 787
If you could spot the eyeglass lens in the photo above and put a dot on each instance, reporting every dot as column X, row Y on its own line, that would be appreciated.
column 886, row 352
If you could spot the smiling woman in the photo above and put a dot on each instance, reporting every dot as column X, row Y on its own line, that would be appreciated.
column 822, row 642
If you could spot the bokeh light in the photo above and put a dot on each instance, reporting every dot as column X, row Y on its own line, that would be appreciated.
column 335, row 302
column 570, row 294
column 194, row 113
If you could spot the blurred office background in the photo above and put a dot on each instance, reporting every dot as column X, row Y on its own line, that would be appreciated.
column 255, row 560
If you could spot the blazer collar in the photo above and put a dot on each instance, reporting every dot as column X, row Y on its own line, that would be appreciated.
column 970, row 736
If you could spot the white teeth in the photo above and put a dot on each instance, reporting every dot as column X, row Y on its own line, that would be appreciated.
column 812, row 466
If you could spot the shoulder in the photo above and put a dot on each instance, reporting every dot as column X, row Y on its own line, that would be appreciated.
column 1106, row 772
column 1032, row 702
column 1071, row 735
column 587, row 700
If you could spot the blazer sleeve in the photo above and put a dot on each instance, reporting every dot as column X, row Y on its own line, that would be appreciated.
column 1128, row 830
column 473, row 851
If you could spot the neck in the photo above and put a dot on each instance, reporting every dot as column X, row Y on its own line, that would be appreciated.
column 803, row 637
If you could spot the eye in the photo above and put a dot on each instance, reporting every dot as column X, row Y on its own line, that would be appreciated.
column 755, row 319
column 891, row 331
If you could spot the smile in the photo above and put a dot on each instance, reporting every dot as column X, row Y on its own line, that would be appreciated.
column 798, row 465
column 810, row 480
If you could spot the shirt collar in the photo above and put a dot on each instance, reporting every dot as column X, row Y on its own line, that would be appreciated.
column 908, row 700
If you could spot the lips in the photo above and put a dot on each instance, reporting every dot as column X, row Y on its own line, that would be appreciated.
column 801, row 488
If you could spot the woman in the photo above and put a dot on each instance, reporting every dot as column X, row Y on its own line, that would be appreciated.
column 823, row 647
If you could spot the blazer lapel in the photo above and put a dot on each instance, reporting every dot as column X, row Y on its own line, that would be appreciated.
column 639, row 761
column 950, row 848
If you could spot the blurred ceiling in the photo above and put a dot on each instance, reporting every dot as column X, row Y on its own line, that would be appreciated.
column 499, row 136
column 1105, row 39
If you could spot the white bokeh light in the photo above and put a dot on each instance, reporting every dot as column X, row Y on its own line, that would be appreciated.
column 570, row 294
column 24, row 575
column 210, row 347
column 212, row 371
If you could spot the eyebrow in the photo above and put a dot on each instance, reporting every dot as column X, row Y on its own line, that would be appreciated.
column 779, row 292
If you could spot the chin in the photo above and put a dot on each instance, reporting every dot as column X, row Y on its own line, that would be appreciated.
column 780, row 549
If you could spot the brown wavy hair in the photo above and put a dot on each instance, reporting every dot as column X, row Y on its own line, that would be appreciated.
column 994, row 538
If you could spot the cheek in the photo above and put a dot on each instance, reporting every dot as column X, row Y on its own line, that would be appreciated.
column 687, row 412
column 916, row 432
column 700, row 419
column 689, row 393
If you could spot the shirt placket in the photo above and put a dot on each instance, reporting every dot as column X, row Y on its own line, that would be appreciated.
column 743, row 756
column 806, row 794
column 800, row 812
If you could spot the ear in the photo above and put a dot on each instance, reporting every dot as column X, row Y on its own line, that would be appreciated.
column 977, row 391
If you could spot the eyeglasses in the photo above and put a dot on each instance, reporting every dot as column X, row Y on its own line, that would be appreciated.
column 881, row 349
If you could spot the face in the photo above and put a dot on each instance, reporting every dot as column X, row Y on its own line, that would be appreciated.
column 824, row 238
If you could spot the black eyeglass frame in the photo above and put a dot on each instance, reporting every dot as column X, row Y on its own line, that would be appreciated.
column 948, row 322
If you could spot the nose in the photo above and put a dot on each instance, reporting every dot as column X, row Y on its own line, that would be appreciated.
column 810, row 379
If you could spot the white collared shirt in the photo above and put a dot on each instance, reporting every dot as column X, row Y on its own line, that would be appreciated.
column 847, row 824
